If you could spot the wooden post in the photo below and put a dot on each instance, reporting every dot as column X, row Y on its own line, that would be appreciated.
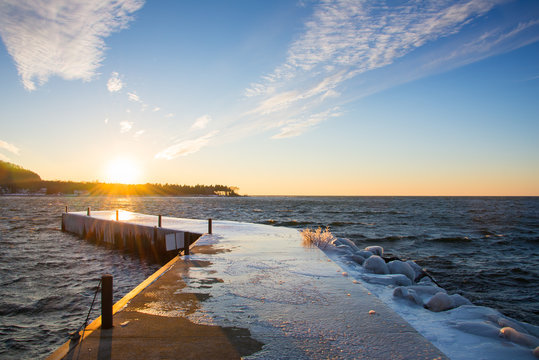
column 88, row 211
column 106, row 301
column 66, row 208
column 209, row 226
column 159, row 220
column 186, row 238
column 117, row 215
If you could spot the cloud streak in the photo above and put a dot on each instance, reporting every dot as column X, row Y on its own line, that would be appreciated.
column 186, row 147
column 9, row 147
column 346, row 39
column 297, row 127
column 60, row 37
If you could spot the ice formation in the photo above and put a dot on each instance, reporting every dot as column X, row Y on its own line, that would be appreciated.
column 449, row 321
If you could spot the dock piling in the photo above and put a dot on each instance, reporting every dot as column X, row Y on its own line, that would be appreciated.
column 66, row 209
column 117, row 217
column 88, row 211
column 159, row 220
column 106, row 301
column 186, row 242
column 209, row 226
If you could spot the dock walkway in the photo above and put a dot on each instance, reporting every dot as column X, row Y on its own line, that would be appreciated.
column 250, row 291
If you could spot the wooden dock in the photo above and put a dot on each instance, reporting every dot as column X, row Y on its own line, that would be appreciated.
column 248, row 291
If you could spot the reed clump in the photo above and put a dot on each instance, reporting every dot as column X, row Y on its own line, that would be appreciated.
column 318, row 237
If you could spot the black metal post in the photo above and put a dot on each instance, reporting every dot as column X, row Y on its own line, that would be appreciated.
column 186, row 242
column 106, row 301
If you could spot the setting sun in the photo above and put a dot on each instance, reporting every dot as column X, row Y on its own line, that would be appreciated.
column 123, row 171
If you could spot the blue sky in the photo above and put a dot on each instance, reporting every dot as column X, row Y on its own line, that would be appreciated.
column 276, row 97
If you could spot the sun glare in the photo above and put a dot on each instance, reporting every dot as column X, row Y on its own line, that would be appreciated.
column 122, row 170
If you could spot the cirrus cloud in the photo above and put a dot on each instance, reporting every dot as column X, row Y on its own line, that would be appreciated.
column 60, row 37
column 185, row 147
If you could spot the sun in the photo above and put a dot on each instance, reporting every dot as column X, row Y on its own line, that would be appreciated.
column 122, row 170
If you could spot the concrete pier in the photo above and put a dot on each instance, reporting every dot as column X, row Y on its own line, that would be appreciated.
column 141, row 234
column 249, row 291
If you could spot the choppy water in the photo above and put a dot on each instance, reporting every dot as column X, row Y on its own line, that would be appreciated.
column 484, row 248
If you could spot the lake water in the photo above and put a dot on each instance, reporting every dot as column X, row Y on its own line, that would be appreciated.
column 484, row 248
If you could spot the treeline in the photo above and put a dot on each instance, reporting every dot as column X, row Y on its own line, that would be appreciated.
column 15, row 174
column 104, row 189
column 15, row 179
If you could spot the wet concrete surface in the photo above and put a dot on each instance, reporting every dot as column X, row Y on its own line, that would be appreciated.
column 254, row 291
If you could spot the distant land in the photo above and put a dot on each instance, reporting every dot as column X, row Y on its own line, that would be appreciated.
column 14, row 179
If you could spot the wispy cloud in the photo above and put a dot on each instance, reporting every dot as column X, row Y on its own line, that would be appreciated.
column 350, row 49
column 125, row 126
column 133, row 97
column 9, row 147
column 185, row 147
column 114, row 84
column 346, row 39
column 139, row 133
column 201, row 122
column 60, row 37
column 298, row 127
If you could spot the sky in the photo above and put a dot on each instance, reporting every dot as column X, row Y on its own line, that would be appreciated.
column 275, row 97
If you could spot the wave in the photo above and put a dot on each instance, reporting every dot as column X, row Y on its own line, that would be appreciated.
column 452, row 239
column 48, row 304
column 290, row 223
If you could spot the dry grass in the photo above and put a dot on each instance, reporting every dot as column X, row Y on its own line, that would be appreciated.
column 317, row 237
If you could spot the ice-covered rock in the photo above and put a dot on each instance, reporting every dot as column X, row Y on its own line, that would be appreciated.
column 477, row 327
column 390, row 279
column 365, row 254
column 376, row 264
column 426, row 289
column 418, row 271
column 536, row 352
column 460, row 300
column 343, row 248
column 518, row 337
column 440, row 302
column 358, row 259
column 408, row 294
column 400, row 267
column 376, row 250
column 505, row 322
column 475, row 312
column 349, row 243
